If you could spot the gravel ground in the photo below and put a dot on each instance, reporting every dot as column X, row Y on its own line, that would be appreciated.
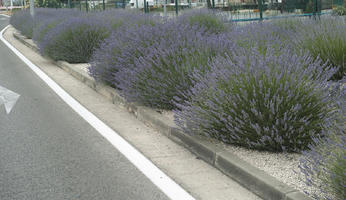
column 282, row 166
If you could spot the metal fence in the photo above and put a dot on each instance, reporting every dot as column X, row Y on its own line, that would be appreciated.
column 236, row 10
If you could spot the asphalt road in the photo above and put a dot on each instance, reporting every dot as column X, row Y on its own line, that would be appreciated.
column 48, row 152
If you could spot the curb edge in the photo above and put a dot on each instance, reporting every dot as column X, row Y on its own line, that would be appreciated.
column 252, row 178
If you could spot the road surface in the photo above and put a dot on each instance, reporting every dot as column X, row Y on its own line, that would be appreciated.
column 48, row 152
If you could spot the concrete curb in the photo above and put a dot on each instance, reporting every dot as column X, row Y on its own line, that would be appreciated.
column 254, row 179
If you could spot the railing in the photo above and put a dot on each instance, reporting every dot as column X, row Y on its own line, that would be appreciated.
column 240, row 11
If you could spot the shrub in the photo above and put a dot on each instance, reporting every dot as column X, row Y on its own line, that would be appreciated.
column 23, row 22
column 210, row 20
column 43, row 27
column 122, row 48
column 261, row 35
column 339, row 11
column 166, row 71
column 326, row 39
column 323, row 166
column 75, row 40
column 73, row 36
column 277, row 102
column 46, row 19
column 289, row 24
column 151, row 64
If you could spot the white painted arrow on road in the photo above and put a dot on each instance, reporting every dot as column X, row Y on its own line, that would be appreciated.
column 8, row 98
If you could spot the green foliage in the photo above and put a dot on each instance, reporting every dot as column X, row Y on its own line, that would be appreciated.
column 209, row 22
column 337, row 169
column 329, row 48
column 326, row 39
column 74, row 42
column 339, row 10
column 289, row 24
column 309, row 8
column 22, row 21
column 324, row 167
column 269, row 103
column 42, row 28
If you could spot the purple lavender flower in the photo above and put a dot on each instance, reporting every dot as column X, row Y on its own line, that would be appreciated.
column 74, row 40
column 325, row 39
column 153, row 64
column 275, row 102
column 212, row 21
column 323, row 165
column 23, row 21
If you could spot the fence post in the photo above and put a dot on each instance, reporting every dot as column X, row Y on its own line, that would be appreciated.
column 176, row 7
column 314, row 10
column 103, row 5
column 260, row 7
column 213, row 4
column 69, row 3
column 319, row 8
column 32, row 10
column 145, row 6
column 86, row 5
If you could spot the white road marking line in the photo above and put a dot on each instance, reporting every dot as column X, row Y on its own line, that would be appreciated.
column 153, row 173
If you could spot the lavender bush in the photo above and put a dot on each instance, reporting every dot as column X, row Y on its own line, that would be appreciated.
column 127, row 41
column 326, row 39
column 75, row 40
column 123, row 47
column 165, row 72
column 289, row 24
column 43, row 27
column 70, row 35
column 46, row 19
column 261, row 35
column 277, row 102
column 211, row 21
column 22, row 21
column 323, row 166
column 151, row 64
